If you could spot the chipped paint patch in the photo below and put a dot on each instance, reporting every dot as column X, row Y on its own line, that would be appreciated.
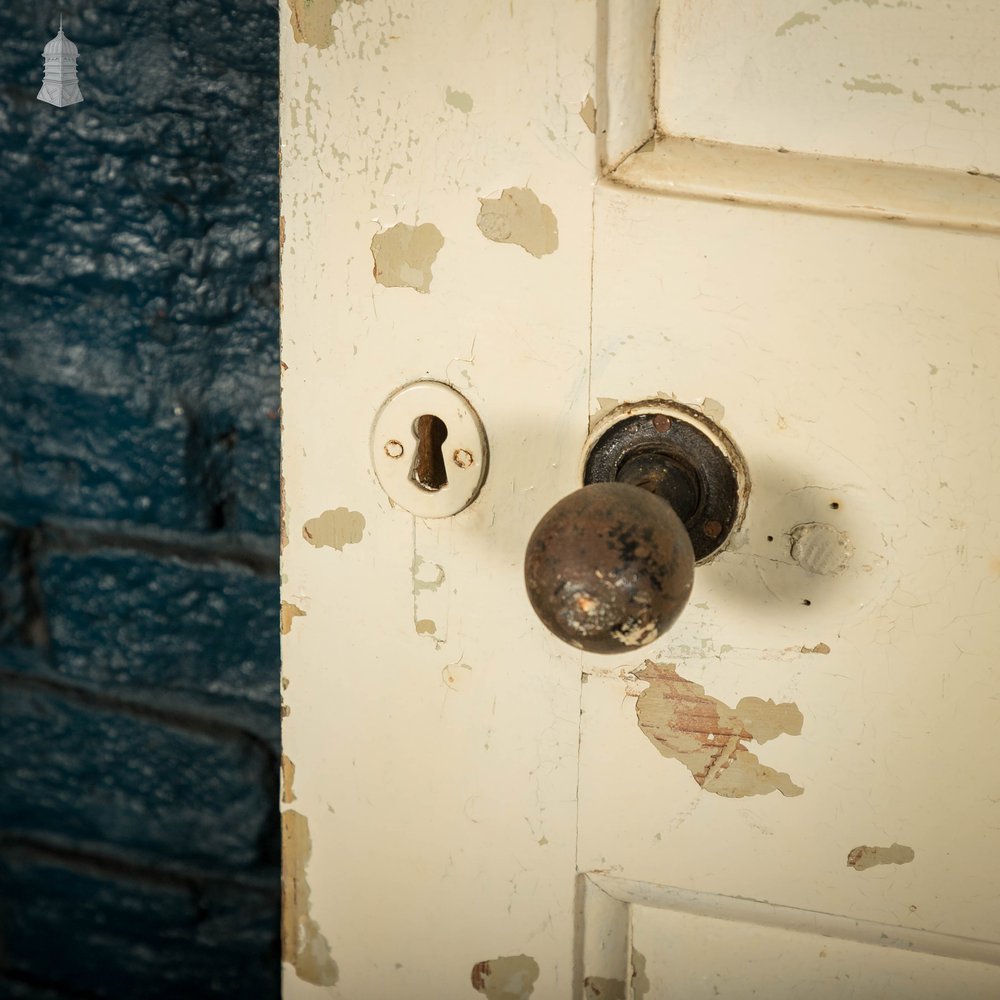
column 288, row 612
column 863, row 858
column 588, row 112
column 796, row 21
column 640, row 981
column 602, row 988
column 820, row 647
column 335, row 528
column 510, row 977
column 312, row 21
column 872, row 85
column 430, row 597
column 518, row 217
column 404, row 255
column 282, row 513
column 821, row 548
column 709, row 738
column 287, row 780
column 302, row 943
column 458, row 99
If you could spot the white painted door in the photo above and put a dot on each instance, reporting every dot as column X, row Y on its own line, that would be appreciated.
column 794, row 788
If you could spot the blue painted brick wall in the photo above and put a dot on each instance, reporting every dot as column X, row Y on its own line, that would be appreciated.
column 139, row 504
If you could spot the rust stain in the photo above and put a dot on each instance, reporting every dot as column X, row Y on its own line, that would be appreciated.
column 302, row 943
column 509, row 977
column 312, row 21
column 600, row 988
column 864, row 857
column 709, row 738
column 288, row 612
column 287, row 780
column 335, row 528
column 404, row 255
column 518, row 217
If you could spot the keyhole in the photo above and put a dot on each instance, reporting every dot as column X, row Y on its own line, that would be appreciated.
column 429, row 471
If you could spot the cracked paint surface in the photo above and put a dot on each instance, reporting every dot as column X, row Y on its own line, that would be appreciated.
column 709, row 738
column 404, row 255
column 518, row 217
column 510, row 977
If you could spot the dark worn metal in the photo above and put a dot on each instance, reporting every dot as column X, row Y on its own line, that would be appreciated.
column 677, row 460
column 609, row 568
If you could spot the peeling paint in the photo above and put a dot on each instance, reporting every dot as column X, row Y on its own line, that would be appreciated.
column 282, row 513
column 510, row 977
column 872, row 85
column 862, row 858
column 430, row 602
column 517, row 216
column 588, row 112
column 335, row 528
column 601, row 988
column 820, row 647
column 795, row 21
column 312, row 21
column 458, row 99
column 962, row 109
column 821, row 548
column 302, row 943
column 287, row 780
column 708, row 737
column 288, row 612
column 404, row 255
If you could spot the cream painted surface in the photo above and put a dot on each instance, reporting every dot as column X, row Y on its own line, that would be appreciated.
column 456, row 767
column 892, row 80
column 432, row 729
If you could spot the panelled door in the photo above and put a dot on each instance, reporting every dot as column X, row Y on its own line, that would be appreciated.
column 782, row 219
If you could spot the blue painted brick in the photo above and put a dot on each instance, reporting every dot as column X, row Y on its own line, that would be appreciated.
column 98, row 933
column 142, row 785
column 137, row 622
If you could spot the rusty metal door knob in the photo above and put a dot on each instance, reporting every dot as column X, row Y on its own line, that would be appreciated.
column 611, row 566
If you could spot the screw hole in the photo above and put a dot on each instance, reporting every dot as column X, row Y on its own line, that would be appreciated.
column 835, row 505
column 770, row 538
column 807, row 602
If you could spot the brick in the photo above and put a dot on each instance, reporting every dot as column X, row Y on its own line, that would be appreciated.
column 98, row 932
column 93, row 774
column 135, row 621
column 138, row 268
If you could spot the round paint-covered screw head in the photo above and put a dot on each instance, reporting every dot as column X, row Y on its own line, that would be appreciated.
column 609, row 568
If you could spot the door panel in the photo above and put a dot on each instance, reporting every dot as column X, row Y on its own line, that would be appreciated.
column 461, row 790
column 856, row 365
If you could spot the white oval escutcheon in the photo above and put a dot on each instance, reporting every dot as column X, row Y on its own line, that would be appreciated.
column 429, row 449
